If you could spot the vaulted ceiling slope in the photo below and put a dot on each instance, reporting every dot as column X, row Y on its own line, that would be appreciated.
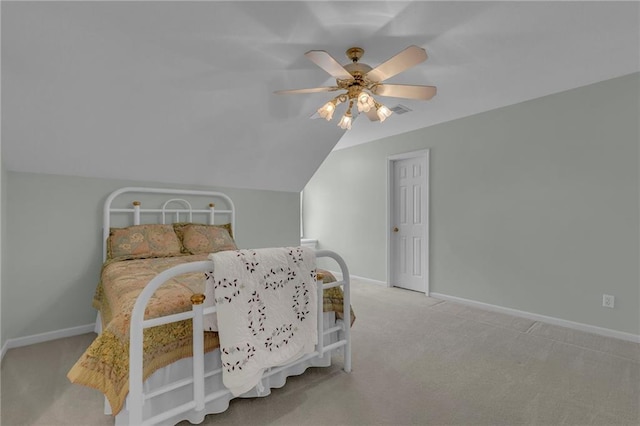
column 183, row 91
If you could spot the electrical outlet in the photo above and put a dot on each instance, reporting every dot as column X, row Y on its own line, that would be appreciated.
column 608, row 300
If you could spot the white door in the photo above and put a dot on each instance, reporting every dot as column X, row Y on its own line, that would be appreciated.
column 409, row 223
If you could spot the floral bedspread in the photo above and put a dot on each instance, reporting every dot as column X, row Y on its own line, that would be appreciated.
column 105, row 364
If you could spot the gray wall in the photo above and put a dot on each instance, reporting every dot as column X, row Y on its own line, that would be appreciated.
column 53, row 244
column 3, row 204
column 533, row 207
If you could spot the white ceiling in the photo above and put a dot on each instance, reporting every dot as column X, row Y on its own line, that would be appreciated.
column 183, row 91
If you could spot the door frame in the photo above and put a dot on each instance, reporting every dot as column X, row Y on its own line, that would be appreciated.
column 424, row 155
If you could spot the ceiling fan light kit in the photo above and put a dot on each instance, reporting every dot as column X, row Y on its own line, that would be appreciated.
column 383, row 112
column 346, row 120
column 360, row 82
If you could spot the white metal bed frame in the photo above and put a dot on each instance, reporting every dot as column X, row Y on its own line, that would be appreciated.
column 336, row 336
column 186, row 208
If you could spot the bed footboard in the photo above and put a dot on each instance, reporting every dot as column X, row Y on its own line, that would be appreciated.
column 137, row 396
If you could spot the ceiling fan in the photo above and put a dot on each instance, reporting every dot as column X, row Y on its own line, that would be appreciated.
column 361, row 82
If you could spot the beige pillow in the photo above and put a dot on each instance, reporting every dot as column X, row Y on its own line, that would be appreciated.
column 140, row 241
column 199, row 239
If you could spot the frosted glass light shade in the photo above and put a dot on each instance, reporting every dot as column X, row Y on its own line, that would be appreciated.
column 345, row 122
column 383, row 112
column 327, row 110
column 365, row 102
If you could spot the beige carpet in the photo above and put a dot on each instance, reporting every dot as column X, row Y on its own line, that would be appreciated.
column 416, row 360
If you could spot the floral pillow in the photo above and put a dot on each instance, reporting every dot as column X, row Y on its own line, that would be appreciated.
column 199, row 239
column 179, row 227
column 140, row 241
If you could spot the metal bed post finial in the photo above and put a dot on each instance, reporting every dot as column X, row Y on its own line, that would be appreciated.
column 198, row 299
column 212, row 213
column 136, row 212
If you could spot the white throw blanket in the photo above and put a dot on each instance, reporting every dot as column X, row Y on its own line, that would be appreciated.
column 266, row 310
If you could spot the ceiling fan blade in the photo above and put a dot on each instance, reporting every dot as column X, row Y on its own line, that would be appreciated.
column 372, row 115
column 423, row 93
column 312, row 90
column 329, row 64
column 409, row 57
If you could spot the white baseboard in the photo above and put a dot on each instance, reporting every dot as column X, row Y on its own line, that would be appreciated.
column 523, row 314
column 542, row 318
column 88, row 328
column 45, row 337
column 338, row 275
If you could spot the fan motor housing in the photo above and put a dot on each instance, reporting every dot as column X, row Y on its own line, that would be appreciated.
column 357, row 67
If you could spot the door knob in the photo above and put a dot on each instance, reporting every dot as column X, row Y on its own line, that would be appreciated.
column 395, row 229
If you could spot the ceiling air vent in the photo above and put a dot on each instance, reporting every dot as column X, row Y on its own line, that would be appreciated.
column 400, row 109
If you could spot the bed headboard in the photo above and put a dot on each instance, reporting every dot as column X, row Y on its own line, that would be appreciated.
column 137, row 205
